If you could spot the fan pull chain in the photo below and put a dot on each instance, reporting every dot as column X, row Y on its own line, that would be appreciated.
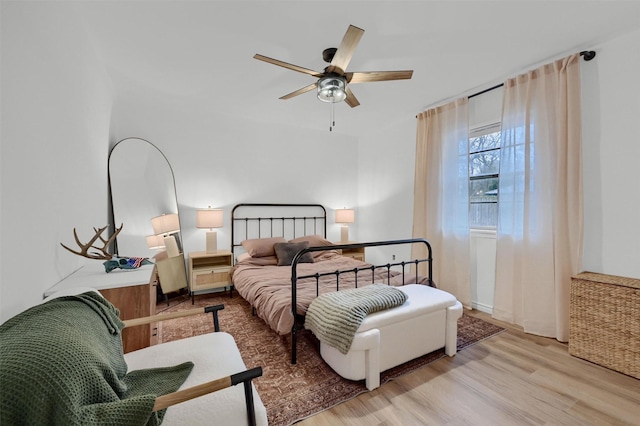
column 332, row 120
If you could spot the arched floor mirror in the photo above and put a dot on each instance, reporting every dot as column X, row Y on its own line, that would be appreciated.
column 142, row 187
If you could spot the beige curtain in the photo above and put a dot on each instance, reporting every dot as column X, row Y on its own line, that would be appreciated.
column 539, row 235
column 441, row 196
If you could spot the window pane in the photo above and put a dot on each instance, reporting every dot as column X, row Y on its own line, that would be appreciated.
column 484, row 163
column 484, row 170
column 484, row 142
column 483, row 190
column 485, row 215
column 483, row 202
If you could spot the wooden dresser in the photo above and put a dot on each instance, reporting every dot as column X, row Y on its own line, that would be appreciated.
column 132, row 291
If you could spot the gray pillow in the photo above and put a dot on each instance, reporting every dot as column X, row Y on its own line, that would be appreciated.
column 287, row 251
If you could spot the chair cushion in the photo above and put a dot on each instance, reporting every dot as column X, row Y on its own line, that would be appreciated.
column 214, row 355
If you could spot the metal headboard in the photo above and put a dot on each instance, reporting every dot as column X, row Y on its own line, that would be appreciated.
column 264, row 220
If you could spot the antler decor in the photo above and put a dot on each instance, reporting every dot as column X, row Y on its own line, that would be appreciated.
column 104, row 255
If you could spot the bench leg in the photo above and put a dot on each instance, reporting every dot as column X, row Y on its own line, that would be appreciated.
column 451, row 337
column 370, row 342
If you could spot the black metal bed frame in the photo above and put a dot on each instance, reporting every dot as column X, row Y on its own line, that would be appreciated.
column 238, row 220
column 284, row 223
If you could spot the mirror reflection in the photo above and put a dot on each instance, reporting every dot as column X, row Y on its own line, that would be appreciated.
column 142, row 187
column 144, row 201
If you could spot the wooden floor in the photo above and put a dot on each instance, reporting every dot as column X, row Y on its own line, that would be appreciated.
column 509, row 379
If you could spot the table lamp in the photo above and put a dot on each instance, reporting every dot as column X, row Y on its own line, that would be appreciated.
column 345, row 216
column 208, row 219
column 155, row 242
column 165, row 225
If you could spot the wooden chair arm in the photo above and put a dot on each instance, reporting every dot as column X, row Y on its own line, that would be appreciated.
column 163, row 317
column 165, row 401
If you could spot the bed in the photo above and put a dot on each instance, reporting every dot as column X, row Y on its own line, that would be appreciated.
column 282, row 260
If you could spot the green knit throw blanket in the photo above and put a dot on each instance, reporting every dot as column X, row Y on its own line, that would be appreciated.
column 334, row 318
column 61, row 363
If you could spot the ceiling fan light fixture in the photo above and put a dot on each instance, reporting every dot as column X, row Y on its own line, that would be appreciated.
column 332, row 89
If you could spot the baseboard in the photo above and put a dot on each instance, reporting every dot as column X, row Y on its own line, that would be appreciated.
column 482, row 307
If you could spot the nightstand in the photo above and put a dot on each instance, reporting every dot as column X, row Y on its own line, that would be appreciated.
column 355, row 253
column 209, row 271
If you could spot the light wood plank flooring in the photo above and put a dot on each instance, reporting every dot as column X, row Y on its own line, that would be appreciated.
column 509, row 379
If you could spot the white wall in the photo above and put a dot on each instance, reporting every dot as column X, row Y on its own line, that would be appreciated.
column 483, row 269
column 611, row 152
column 56, row 106
column 221, row 160
column 385, row 206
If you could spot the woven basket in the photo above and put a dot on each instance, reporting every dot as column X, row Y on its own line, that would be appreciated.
column 604, row 325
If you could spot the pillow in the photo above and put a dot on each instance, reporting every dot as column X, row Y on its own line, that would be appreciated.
column 287, row 251
column 318, row 241
column 313, row 240
column 261, row 247
column 245, row 259
column 263, row 261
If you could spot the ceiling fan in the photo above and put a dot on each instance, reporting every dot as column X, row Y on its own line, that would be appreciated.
column 333, row 82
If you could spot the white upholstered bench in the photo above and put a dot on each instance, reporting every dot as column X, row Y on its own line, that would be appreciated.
column 427, row 321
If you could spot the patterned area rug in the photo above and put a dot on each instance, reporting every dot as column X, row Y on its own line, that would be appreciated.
column 293, row 392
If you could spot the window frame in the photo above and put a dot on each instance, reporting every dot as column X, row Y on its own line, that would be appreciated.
column 475, row 132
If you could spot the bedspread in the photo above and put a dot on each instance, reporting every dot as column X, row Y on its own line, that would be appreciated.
column 267, row 287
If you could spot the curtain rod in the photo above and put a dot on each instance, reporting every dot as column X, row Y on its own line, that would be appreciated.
column 586, row 54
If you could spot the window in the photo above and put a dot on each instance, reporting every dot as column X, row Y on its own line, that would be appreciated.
column 484, row 174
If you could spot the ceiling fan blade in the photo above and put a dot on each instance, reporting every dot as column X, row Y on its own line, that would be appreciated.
column 300, row 91
column 351, row 99
column 287, row 65
column 345, row 51
column 364, row 77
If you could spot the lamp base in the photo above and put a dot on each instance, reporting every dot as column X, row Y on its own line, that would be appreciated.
column 171, row 246
column 344, row 234
column 212, row 242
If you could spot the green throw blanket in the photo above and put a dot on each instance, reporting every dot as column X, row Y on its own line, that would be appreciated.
column 334, row 318
column 61, row 363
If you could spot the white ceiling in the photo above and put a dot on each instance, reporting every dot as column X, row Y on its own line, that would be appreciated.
column 202, row 51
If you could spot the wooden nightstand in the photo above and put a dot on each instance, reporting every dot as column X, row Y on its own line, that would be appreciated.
column 132, row 291
column 209, row 271
column 355, row 253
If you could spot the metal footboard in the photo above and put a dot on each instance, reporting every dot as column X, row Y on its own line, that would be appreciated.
column 298, row 319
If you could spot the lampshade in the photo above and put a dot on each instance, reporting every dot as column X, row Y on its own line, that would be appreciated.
column 345, row 216
column 155, row 242
column 166, row 224
column 332, row 89
column 209, row 218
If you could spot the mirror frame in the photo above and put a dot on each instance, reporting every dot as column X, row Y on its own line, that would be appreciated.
column 110, row 191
